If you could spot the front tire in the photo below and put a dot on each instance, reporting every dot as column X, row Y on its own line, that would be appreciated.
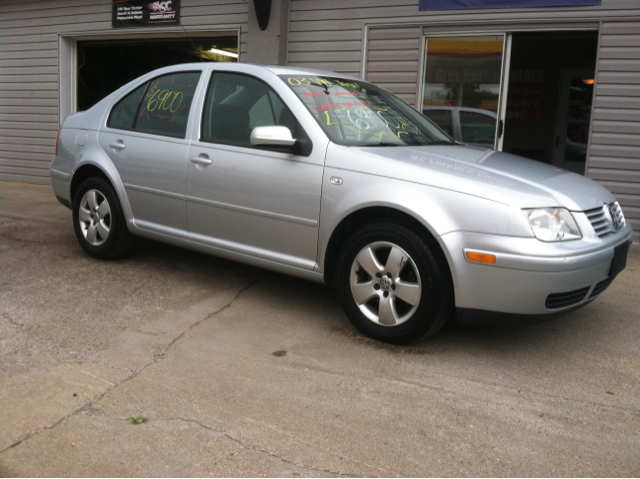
column 394, row 288
column 98, row 220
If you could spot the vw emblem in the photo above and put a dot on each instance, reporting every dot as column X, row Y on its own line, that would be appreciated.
column 611, row 217
column 614, row 217
column 385, row 283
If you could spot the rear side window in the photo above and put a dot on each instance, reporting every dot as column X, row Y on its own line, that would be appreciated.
column 124, row 112
column 166, row 104
column 160, row 107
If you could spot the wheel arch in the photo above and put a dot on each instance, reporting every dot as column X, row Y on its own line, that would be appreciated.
column 89, row 169
column 82, row 173
column 358, row 218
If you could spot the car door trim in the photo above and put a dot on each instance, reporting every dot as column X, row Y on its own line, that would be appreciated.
column 153, row 191
column 252, row 211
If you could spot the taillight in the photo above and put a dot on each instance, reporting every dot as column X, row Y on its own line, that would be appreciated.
column 57, row 138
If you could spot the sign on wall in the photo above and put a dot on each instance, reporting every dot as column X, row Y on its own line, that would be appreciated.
column 462, row 4
column 139, row 13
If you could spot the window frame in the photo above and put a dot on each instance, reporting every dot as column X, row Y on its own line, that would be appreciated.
column 202, row 139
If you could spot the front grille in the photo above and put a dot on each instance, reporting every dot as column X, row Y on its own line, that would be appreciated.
column 600, row 287
column 562, row 300
column 599, row 218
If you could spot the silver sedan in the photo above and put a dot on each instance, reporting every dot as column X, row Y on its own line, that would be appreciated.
column 335, row 180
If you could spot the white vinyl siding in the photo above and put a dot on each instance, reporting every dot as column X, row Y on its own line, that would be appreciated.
column 393, row 60
column 614, row 151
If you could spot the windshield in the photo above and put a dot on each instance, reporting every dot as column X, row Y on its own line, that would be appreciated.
column 357, row 113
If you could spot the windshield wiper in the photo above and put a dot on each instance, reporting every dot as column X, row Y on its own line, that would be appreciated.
column 440, row 143
column 387, row 144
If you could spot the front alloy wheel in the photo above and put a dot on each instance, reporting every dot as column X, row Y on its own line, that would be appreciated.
column 385, row 283
column 394, row 285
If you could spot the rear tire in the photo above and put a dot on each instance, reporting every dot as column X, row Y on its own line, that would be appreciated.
column 393, row 287
column 98, row 220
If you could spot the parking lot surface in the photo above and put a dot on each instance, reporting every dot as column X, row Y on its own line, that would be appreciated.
column 243, row 372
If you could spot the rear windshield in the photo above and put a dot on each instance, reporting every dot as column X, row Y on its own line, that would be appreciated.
column 357, row 113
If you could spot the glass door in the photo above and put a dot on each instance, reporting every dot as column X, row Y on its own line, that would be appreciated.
column 463, row 86
column 573, row 120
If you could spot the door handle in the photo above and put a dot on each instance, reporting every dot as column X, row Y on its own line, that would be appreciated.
column 201, row 160
column 117, row 145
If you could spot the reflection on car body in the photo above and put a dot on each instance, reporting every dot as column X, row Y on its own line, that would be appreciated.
column 332, row 179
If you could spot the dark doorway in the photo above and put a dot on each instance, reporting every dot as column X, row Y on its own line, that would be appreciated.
column 550, row 95
column 104, row 66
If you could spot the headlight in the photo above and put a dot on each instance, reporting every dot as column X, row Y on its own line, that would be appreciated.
column 553, row 224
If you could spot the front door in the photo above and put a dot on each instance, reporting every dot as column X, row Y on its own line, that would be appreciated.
column 258, row 202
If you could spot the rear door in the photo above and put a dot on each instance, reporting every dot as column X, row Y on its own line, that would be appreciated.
column 145, row 136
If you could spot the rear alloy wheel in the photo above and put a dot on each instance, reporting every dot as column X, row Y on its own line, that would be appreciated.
column 94, row 217
column 98, row 220
column 393, row 287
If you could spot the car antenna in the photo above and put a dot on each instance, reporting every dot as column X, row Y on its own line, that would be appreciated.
column 193, row 44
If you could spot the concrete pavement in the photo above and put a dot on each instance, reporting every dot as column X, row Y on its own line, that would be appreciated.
column 243, row 372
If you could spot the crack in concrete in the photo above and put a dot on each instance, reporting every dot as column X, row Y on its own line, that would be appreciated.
column 135, row 373
column 86, row 358
column 9, row 319
column 89, row 411
column 39, row 430
column 160, row 356
column 57, row 347
column 250, row 447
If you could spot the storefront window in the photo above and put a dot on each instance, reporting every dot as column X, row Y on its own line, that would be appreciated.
column 463, row 76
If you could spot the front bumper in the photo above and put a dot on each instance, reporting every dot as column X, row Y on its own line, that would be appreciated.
column 530, row 278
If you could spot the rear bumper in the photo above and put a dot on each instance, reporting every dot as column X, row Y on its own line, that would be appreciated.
column 551, row 279
column 60, row 172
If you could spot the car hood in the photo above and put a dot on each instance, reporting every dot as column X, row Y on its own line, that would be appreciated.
column 488, row 174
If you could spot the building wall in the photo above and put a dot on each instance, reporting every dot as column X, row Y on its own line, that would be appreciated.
column 29, row 69
column 381, row 40
column 614, row 151
column 378, row 39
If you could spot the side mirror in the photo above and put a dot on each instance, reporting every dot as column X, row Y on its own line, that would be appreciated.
column 272, row 136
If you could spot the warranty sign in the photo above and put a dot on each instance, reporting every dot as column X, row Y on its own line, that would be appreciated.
column 139, row 13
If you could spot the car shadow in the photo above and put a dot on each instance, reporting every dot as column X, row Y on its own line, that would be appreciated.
column 319, row 307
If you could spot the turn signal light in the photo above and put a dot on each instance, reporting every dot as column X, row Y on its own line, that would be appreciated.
column 481, row 257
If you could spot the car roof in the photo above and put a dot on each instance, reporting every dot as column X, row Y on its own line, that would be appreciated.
column 276, row 69
column 284, row 70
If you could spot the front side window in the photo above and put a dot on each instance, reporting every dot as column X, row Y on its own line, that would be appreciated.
column 357, row 113
column 160, row 106
column 236, row 104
